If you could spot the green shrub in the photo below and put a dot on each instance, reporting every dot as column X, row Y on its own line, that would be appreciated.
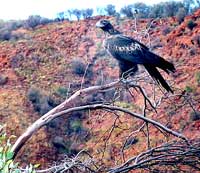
column 78, row 67
column 191, row 24
column 76, row 125
column 7, row 164
column 35, row 20
column 5, row 34
column 198, row 77
column 194, row 116
column 188, row 89
column 45, row 105
column 6, row 28
column 62, row 91
column 34, row 95
column 89, row 72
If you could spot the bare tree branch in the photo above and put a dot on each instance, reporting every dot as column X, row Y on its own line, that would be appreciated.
column 143, row 160
column 70, row 102
column 168, row 154
column 49, row 117
column 73, row 164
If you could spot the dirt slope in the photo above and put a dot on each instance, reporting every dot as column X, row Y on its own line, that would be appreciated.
column 43, row 59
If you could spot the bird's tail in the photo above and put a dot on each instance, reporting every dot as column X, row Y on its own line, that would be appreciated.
column 167, row 66
column 155, row 74
column 161, row 63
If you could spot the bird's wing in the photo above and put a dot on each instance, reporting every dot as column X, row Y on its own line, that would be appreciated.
column 125, row 48
column 132, row 40
column 129, row 49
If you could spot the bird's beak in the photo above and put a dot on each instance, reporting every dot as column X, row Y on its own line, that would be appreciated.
column 99, row 24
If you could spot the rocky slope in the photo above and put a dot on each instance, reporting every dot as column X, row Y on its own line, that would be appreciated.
column 43, row 59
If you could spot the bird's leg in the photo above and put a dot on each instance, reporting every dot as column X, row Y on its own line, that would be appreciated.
column 125, row 75
column 124, row 78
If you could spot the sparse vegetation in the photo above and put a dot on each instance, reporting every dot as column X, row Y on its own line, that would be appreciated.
column 36, row 20
column 7, row 28
column 7, row 164
column 41, row 103
column 166, row 30
column 156, row 44
column 16, row 61
column 163, row 9
column 62, row 91
column 47, row 59
column 198, row 78
column 189, row 89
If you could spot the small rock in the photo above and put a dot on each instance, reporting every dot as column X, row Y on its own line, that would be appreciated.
column 3, row 80
column 59, row 142
column 130, row 142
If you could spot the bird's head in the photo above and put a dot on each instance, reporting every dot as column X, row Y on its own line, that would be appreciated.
column 105, row 25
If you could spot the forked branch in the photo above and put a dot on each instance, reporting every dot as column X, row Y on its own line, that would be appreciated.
column 70, row 105
column 158, row 158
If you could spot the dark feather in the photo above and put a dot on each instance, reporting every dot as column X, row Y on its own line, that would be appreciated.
column 155, row 74
column 159, row 62
column 127, row 69
column 130, row 52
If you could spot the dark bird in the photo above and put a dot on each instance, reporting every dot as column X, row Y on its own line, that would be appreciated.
column 130, row 52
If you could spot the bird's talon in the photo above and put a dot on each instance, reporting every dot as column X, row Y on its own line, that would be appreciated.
column 124, row 81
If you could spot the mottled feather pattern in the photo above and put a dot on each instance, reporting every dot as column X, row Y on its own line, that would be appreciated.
column 126, row 48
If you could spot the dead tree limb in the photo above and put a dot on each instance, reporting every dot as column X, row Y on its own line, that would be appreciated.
column 68, row 103
column 49, row 117
column 73, row 104
column 175, row 153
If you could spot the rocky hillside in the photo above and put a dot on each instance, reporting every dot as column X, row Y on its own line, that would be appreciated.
column 46, row 60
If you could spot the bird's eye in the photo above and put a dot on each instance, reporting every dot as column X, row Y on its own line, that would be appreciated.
column 104, row 22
